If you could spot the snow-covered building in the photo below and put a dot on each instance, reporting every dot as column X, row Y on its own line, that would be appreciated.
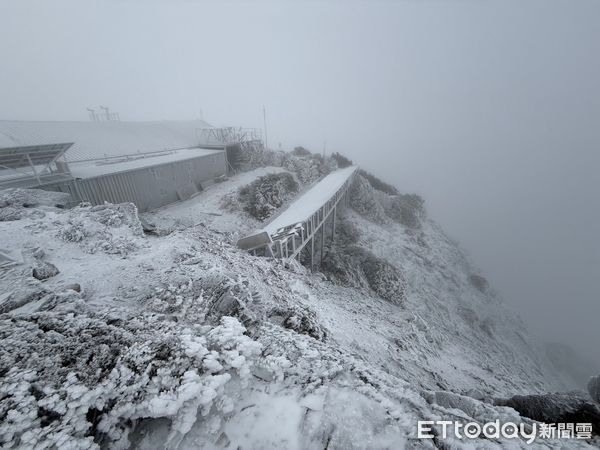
column 148, row 163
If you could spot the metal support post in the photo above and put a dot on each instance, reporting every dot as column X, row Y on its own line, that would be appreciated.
column 333, row 225
column 312, row 254
column 322, row 241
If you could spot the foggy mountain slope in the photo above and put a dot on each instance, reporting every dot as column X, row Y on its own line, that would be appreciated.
column 569, row 363
column 180, row 340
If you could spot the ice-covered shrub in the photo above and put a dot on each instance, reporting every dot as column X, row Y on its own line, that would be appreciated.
column 254, row 156
column 119, row 215
column 112, row 229
column 347, row 233
column 378, row 184
column 342, row 269
column 263, row 196
column 406, row 209
column 307, row 167
column 301, row 151
column 356, row 266
column 307, row 170
column 231, row 202
column 207, row 300
column 325, row 165
column 364, row 201
column 383, row 277
column 341, row 160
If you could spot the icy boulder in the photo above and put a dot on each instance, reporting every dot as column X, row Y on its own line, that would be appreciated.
column 555, row 408
column 45, row 270
column 594, row 388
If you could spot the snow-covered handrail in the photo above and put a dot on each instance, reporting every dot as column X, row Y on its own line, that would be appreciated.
column 287, row 234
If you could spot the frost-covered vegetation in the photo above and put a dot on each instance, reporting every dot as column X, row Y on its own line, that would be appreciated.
column 77, row 378
column 263, row 197
column 349, row 264
column 365, row 201
column 180, row 340
column 380, row 206
column 306, row 166
column 377, row 183
column 106, row 228
column 341, row 160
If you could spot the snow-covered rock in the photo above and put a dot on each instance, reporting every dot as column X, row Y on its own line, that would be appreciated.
column 45, row 270
column 180, row 340
column 555, row 408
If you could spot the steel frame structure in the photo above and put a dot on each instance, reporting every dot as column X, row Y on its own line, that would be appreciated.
column 227, row 135
column 32, row 157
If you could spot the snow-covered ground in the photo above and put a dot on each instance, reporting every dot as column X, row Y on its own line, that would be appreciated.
column 180, row 340
column 207, row 207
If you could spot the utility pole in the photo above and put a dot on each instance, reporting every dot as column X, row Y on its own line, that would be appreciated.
column 265, row 123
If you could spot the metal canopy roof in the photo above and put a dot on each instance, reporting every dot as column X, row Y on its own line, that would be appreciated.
column 33, row 155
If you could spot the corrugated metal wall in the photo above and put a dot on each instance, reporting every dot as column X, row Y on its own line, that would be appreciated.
column 149, row 187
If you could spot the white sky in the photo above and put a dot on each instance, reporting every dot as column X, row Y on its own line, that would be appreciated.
column 490, row 109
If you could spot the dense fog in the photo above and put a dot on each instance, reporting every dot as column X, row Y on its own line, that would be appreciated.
column 490, row 110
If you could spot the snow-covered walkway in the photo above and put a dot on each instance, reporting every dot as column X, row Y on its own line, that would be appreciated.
column 310, row 202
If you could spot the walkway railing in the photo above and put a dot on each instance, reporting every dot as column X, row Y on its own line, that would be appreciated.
column 297, row 227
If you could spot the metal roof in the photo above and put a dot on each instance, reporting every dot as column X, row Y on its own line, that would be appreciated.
column 91, row 169
column 34, row 155
column 103, row 140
